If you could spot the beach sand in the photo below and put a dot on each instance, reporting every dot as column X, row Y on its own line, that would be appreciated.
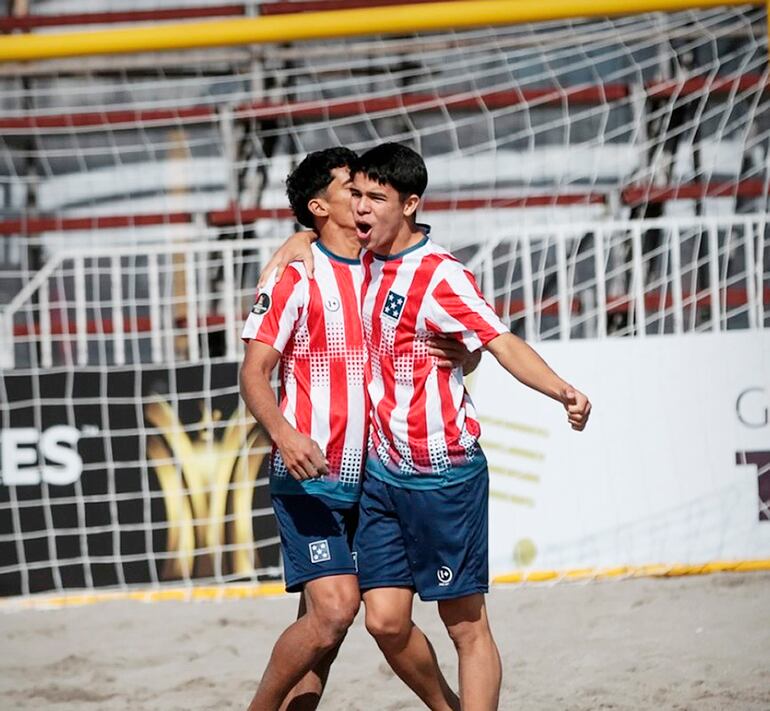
column 683, row 643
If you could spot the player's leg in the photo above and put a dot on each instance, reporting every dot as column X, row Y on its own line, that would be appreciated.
column 479, row 660
column 387, row 584
column 406, row 648
column 315, row 543
column 306, row 694
column 332, row 603
column 446, row 531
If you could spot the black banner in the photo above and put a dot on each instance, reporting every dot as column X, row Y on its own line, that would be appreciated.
column 128, row 476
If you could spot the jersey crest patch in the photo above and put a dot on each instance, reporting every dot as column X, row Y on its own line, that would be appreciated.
column 394, row 305
column 261, row 305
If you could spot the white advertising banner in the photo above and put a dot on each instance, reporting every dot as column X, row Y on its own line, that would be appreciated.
column 674, row 466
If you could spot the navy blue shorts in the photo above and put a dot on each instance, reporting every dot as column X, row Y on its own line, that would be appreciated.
column 316, row 537
column 434, row 541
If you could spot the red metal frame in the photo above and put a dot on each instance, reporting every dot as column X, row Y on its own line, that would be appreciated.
column 26, row 23
column 747, row 188
column 30, row 22
column 232, row 216
column 412, row 102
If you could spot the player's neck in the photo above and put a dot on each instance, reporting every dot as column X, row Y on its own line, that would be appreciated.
column 339, row 241
column 407, row 236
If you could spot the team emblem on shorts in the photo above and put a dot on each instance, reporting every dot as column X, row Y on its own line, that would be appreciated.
column 319, row 551
column 394, row 304
column 444, row 575
column 262, row 304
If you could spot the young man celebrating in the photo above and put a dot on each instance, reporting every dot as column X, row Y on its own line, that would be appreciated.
column 423, row 512
column 319, row 431
column 313, row 327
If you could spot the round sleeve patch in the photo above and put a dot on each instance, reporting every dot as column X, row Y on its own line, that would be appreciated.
column 261, row 305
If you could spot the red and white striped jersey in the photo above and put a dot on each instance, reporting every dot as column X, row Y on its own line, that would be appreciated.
column 424, row 427
column 316, row 326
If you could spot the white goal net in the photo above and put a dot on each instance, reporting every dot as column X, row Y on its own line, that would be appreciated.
column 603, row 178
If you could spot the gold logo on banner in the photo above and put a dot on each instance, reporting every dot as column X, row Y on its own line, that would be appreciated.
column 199, row 480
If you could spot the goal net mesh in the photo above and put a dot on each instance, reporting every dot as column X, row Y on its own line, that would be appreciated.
column 603, row 178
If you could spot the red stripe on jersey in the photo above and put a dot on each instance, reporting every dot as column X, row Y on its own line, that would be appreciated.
column 316, row 319
column 302, row 406
column 448, row 409
column 282, row 291
column 472, row 425
column 367, row 280
column 366, row 262
column 417, row 422
column 387, row 404
column 350, row 298
column 415, row 295
column 458, row 309
column 338, row 377
column 389, row 271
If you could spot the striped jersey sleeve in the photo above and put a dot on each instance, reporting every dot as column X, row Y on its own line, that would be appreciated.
column 278, row 308
column 457, row 306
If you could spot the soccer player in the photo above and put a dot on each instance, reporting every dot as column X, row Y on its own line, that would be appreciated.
column 319, row 431
column 313, row 327
column 424, row 508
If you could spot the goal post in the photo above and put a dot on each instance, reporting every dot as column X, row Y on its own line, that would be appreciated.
column 392, row 19
column 603, row 170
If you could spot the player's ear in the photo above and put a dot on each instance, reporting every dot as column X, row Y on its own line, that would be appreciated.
column 410, row 205
column 318, row 207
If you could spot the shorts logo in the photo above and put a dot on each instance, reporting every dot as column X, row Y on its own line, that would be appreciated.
column 319, row 551
column 444, row 575
column 332, row 304
column 262, row 304
column 394, row 304
column 355, row 559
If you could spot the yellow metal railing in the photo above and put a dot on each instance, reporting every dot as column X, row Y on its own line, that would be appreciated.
column 334, row 23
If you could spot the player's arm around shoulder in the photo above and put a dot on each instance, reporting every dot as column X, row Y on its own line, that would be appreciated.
column 295, row 249
column 523, row 362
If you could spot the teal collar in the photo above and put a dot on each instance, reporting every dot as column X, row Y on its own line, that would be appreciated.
column 335, row 257
column 403, row 253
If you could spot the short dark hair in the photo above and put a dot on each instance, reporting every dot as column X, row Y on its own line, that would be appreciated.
column 312, row 176
column 396, row 165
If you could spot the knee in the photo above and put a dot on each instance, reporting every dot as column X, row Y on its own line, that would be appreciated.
column 334, row 616
column 386, row 628
column 466, row 634
column 466, row 628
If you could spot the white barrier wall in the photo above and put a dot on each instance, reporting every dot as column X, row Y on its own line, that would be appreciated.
column 655, row 478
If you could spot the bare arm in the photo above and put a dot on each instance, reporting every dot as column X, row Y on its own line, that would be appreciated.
column 521, row 361
column 301, row 455
column 294, row 249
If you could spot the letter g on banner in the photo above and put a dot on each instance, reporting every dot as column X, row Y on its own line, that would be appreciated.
column 751, row 408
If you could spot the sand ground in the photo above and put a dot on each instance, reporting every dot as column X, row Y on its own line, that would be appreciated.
column 690, row 643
